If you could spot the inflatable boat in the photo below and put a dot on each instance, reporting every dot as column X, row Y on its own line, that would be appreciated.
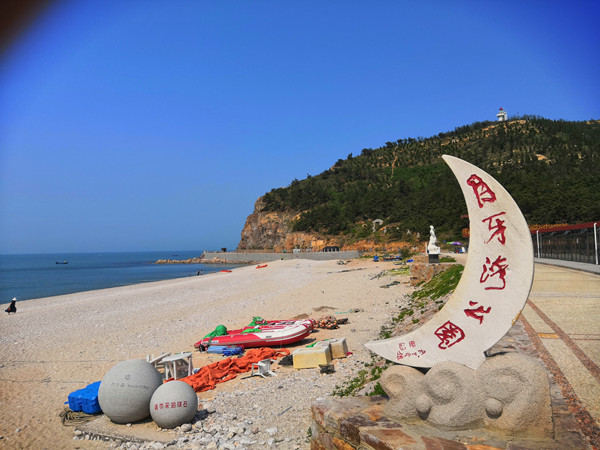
column 275, row 333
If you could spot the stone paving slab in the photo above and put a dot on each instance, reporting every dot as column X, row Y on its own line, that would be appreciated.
column 567, row 301
column 583, row 383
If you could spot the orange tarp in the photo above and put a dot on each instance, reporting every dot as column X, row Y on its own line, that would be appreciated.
column 227, row 369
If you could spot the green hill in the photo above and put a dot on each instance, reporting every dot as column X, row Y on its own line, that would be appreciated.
column 551, row 168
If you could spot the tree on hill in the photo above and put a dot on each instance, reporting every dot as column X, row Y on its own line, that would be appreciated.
column 550, row 167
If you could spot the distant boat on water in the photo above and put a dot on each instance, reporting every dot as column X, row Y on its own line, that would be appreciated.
column 62, row 262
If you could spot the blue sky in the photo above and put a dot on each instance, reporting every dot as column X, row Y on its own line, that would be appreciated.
column 155, row 125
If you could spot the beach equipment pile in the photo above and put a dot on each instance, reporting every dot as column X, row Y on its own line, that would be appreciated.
column 227, row 369
column 133, row 390
column 330, row 322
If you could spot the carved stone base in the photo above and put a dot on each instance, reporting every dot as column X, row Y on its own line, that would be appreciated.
column 506, row 404
column 508, row 392
column 361, row 423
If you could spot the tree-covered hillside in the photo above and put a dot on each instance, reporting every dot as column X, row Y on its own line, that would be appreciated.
column 551, row 168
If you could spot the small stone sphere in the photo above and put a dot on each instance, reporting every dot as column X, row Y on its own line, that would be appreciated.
column 493, row 407
column 126, row 389
column 173, row 404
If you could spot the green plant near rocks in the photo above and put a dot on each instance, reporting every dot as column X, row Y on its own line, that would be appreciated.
column 399, row 271
column 372, row 372
column 407, row 311
column 378, row 390
column 349, row 387
column 385, row 332
column 376, row 371
column 403, row 313
column 441, row 284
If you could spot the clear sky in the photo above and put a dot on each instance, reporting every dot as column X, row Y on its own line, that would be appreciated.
column 155, row 125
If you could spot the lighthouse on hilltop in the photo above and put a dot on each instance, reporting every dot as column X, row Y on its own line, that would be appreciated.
column 501, row 115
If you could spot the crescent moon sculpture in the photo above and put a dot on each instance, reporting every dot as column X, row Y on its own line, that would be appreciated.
column 492, row 290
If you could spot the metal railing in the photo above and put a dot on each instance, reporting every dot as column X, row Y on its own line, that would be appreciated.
column 576, row 245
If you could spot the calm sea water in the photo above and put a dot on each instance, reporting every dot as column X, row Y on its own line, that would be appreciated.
column 37, row 275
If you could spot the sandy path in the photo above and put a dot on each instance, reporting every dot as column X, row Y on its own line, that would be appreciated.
column 54, row 346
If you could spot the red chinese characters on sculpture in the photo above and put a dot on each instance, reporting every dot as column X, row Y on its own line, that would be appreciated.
column 449, row 334
column 497, row 226
column 477, row 313
column 495, row 269
column 482, row 191
column 402, row 345
column 417, row 353
column 403, row 353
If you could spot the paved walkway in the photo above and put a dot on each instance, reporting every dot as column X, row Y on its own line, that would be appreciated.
column 562, row 317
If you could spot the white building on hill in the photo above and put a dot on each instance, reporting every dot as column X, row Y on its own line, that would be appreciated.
column 501, row 115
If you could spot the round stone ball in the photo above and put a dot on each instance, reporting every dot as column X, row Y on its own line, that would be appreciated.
column 173, row 404
column 126, row 389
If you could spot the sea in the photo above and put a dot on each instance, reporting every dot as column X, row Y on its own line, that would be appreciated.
column 38, row 275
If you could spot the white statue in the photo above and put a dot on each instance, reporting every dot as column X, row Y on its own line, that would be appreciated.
column 432, row 248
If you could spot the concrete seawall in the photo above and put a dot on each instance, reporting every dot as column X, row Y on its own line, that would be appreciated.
column 265, row 257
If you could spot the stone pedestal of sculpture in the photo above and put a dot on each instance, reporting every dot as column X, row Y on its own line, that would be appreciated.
column 509, row 393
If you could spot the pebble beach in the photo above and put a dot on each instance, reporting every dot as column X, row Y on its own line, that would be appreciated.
column 56, row 345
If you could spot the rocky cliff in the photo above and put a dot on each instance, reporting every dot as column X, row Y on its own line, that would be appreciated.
column 273, row 230
column 266, row 230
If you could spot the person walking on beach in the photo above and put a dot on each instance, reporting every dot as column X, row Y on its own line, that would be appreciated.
column 12, row 307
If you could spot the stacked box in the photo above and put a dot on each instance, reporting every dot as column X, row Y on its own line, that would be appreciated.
column 339, row 347
column 85, row 399
column 308, row 358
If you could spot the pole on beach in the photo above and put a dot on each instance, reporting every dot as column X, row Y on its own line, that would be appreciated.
column 596, row 241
